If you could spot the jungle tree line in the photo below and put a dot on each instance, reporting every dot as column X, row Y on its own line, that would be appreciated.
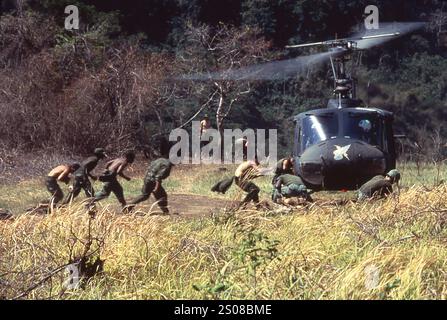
column 115, row 82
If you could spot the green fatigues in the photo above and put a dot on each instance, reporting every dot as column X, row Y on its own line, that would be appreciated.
column 288, row 186
column 249, row 187
column 223, row 185
column 53, row 188
column 111, row 184
column 279, row 170
column 158, row 170
column 81, row 180
column 377, row 187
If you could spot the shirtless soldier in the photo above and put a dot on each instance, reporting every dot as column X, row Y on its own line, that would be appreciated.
column 60, row 173
column 243, row 176
column 114, row 168
column 81, row 180
column 158, row 170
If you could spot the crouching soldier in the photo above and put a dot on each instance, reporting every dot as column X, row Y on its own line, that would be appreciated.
column 60, row 173
column 243, row 176
column 283, row 166
column 158, row 170
column 114, row 168
column 81, row 176
column 379, row 186
column 288, row 186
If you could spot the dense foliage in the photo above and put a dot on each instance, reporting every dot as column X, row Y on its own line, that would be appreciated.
column 112, row 82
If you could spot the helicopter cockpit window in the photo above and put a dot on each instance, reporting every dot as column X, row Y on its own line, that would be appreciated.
column 365, row 127
column 317, row 128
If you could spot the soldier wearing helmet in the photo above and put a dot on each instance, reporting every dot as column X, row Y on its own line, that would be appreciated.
column 379, row 186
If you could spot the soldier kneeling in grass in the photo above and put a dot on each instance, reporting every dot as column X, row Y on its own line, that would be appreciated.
column 158, row 170
column 379, row 186
column 288, row 186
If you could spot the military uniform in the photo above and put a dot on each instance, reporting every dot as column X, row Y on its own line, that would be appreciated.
column 111, row 184
column 81, row 177
column 279, row 170
column 242, row 177
column 377, row 187
column 54, row 189
column 158, row 170
column 288, row 186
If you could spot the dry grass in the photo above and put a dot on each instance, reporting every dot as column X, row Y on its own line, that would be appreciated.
column 319, row 252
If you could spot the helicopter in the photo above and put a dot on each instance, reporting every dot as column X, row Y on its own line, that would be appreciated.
column 346, row 143
column 342, row 146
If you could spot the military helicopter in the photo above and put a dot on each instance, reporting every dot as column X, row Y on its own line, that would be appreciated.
column 343, row 145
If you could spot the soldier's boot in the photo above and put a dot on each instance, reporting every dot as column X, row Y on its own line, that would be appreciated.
column 119, row 193
column 162, row 198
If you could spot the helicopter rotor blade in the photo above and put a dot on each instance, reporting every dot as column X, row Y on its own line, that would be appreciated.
column 321, row 43
column 371, row 38
column 274, row 70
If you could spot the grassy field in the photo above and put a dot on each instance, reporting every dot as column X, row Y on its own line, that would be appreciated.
column 388, row 249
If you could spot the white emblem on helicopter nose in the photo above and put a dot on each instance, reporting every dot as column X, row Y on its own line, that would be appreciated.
column 341, row 152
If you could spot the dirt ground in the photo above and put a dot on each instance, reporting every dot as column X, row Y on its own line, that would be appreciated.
column 180, row 205
column 187, row 205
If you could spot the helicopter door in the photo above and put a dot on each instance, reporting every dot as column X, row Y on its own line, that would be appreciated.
column 389, row 145
column 297, row 139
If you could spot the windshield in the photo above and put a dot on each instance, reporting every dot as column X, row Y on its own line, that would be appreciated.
column 363, row 126
column 317, row 128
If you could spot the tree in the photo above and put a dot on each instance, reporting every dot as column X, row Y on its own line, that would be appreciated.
column 224, row 50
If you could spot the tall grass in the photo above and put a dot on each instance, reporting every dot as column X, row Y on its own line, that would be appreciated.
column 317, row 252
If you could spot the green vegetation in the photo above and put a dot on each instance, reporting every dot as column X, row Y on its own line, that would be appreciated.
column 390, row 249
column 88, row 73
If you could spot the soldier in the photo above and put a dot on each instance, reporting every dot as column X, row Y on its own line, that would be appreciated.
column 114, row 168
column 158, row 170
column 288, row 186
column 283, row 166
column 205, row 124
column 243, row 176
column 83, row 173
column 60, row 173
column 379, row 186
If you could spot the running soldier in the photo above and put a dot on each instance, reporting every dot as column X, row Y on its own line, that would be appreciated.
column 60, row 173
column 81, row 180
column 114, row 168
column 288, row 186
column 379, row 186
column 243, row 176
column 158, row 171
